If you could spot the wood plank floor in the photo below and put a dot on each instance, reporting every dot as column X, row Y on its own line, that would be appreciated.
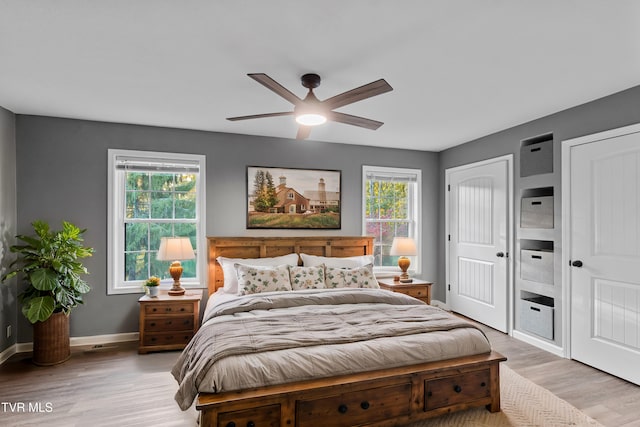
column 610, row 400
column 114, row 386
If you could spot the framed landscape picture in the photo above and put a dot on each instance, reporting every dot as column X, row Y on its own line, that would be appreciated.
column 293, row 198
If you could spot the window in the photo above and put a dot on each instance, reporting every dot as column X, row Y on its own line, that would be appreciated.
column 391, row 208
column 153, row 195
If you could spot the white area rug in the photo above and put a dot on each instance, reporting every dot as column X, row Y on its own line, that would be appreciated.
column 523, row 403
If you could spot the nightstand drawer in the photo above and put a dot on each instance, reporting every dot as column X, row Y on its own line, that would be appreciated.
column 416, row 292
column 168, row 308
column 168, row 324
column 418, row 289
column 167, row 338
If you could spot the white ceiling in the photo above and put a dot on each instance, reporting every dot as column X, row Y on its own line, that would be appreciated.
column 460, row 69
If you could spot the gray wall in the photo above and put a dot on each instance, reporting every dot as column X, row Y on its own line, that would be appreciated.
column 617, row 110
column 62, row 175
column 8, row 226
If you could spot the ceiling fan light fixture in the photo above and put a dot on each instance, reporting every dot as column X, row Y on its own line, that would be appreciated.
column 310, row 111
column 311, row 119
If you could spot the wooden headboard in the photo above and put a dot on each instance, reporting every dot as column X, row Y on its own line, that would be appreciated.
column 261, row 247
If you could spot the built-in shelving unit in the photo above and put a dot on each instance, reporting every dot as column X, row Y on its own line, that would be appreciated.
column 538, row 290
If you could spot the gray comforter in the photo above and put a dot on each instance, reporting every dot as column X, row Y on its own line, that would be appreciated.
column 278, row 337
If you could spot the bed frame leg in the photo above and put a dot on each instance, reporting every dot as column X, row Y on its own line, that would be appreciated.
column 494, row 406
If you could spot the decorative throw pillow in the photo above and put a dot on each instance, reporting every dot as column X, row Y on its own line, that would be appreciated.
column 307, row 277
column 257, row 279
column 336, row 262
column 229, row 270
column 359, row 277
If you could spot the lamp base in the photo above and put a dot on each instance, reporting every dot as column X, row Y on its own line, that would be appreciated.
column 176, row 290
column 404, row 263
column 176, row 271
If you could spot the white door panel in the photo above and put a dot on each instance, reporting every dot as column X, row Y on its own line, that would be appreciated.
column 478, row 232
column 605, row 239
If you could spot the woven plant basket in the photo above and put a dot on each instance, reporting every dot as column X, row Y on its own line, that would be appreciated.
column 51, row 344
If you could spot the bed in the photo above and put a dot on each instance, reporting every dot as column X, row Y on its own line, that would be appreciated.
column 360, row 356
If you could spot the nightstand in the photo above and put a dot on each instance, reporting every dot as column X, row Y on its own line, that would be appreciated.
column 418, row 288
column 168, row 322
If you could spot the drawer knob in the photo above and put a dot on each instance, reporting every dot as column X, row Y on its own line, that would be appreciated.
column 483, row 384
column 457, row 388
column 343, row 409
column 182, row 309
column 153, row 323
column 251, row 424
column 168, row 322
column 231, row 424
column 365, row 405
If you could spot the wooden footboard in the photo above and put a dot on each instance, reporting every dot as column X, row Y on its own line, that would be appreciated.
column 378, row 398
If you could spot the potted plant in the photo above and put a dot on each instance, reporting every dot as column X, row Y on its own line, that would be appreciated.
column 152, row 286
column 49, row 263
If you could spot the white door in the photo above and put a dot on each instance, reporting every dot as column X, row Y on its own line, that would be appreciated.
column 605, row 252
column 478, row 241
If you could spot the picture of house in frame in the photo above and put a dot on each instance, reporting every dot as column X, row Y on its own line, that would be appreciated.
column 302, row 198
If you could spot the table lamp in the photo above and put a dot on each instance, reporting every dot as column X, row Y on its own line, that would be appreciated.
column 175, row 249
column 403, row 246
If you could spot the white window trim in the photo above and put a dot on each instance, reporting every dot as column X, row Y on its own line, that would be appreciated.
column 416, row 262
column 115, row 221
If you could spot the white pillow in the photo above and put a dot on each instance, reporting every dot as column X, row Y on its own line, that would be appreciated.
column 359, row 277
column 307, row 277
column 337, row 262
column 257, row 279
column 230, row 277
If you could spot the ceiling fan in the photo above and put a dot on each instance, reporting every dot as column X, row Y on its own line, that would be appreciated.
column 310, row 111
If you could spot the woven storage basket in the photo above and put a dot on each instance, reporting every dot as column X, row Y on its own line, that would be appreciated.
column 51, row 340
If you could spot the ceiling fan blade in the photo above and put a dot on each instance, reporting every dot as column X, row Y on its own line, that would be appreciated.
column 260, row 116
column 303, row 132
column 354, row 120
column 269, row 83
column 358, row 94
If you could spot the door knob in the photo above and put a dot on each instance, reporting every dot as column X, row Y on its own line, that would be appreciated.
column 577, row 263
column 500, row 254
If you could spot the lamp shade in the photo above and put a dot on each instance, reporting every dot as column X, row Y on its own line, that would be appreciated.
column 175, row 249
column 403, row 246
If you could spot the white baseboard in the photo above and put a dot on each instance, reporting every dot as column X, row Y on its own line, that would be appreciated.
column 551, row 348
column 6, row 354
column 440, row 304
column 93, row 340
column 104, row 339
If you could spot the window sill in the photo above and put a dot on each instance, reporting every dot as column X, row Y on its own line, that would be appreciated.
column 138, row 289
column 387, row 273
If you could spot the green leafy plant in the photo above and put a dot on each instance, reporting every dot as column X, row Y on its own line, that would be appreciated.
column 49, row 264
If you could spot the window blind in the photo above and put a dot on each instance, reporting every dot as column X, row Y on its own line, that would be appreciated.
column 157, row 165
column 391, row 176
